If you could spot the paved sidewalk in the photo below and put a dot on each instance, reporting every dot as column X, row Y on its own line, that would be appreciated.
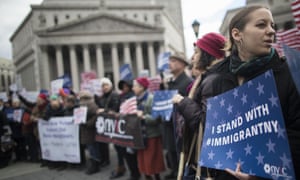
column 33, row 171
column 30, row 171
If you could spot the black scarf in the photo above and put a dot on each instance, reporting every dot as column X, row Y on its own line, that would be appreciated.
column 248, row 68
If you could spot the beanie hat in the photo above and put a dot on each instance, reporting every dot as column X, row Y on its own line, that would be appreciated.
column 143, row 81
column 53, row 97
column 212, row 43
column 42, row 96
column 106, row 81
column 124, row 81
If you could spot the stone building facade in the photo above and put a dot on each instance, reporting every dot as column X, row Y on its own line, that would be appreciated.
column 6, row 74
column 281, row 11
column 73, row 36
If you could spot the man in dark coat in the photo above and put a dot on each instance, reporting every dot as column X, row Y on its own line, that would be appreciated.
column 180, row 82
column 109, row 102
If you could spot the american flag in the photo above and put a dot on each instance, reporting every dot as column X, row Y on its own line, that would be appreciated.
column 129, row 106
column 154, row 83
column 290, row 37
column 296, row 12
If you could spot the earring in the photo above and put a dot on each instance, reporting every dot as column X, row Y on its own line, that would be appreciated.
column 241, row 42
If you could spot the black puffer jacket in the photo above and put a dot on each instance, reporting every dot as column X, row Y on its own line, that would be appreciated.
column 211, row 84
column 109, row 101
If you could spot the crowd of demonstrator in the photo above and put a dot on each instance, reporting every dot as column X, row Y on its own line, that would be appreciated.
column 25, row 145
column 250, row 53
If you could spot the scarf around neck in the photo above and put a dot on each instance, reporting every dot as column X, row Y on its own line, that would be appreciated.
column 248, row 68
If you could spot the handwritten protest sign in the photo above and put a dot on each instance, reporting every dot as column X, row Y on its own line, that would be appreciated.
column 123, row 131
column 17, row 115
column 79, row 115
column 59, row 139
column 246, row 126
column 56, row 85
column 3, row 96
column 162, row 104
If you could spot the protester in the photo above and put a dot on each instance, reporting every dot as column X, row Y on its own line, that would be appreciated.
column 122, row 152
column 150, row 159
column 209, row 51
column 16, row 127
column 63, row 93
column 251, row 34
column 37, row 113
column 31, row 142
column 88, row 131
column 6, row 142
column 108, row 103
column 55, row 109
column 70, row 103
column 180, row 82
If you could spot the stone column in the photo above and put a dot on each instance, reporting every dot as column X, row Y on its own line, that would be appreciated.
column 74, row 68
column 1, row 87
column 86, row 59
column 151, row 56
column 45, row 64
column 139, row 57
column 100, row 63
column 5, row 74
column 59, row 60
column 127, row 58
column 161, row 47
column 11, row 76
column 115, row 62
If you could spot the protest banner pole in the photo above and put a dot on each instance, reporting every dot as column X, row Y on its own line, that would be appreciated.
column 181, row 165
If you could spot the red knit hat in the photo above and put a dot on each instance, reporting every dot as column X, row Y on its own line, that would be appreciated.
column 212, row 43
column 143, row 81
column 42, row 96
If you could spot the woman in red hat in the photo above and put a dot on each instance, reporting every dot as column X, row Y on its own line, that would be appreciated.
column 150, row 159
column 208, row 53
column 34, row 111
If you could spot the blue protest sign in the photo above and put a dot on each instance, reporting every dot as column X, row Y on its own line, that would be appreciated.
column 162, row 103
column 245, row 125
column 163, row 61
column 125, row 72
column 293, row 60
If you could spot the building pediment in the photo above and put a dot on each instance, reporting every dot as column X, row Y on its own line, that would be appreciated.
column 100, row 24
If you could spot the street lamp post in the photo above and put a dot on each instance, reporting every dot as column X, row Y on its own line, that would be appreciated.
column 196, row 26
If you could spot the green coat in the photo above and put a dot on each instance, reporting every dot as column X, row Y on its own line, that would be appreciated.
column 152, row 124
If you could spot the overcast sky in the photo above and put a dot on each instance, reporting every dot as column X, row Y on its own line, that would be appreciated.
column 209, row 13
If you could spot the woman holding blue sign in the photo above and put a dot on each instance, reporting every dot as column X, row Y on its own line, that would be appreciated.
column 209, row 52
column 251, row 34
